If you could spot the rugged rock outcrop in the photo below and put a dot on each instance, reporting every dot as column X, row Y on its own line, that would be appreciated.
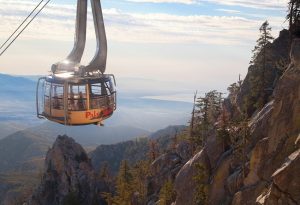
column 282, row 130
column 69, row 177
column 285, row 188
column 162, row 169
column 165, row 168
column 271, row 172
column 185, row 183
column 277, row 56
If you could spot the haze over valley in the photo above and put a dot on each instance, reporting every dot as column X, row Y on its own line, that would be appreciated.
column 136, row 109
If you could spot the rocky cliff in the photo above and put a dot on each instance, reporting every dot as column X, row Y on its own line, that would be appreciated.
column 271, row 168
column 69, row 177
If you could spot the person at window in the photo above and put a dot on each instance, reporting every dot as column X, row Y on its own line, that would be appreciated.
column 55, row 100
column 72, row 101
column 81, row 102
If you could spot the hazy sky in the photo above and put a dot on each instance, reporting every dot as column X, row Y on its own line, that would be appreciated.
column 204, row 43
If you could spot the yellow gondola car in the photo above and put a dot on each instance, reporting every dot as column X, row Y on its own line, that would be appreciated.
column 74, row 100
column 76, row 94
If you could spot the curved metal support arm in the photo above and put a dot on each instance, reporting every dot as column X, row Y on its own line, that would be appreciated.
column 80, row 33
column 71, row 63
column 99, row 61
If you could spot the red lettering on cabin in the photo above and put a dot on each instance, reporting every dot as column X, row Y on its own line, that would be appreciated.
column 93, row 115
column 87, row 115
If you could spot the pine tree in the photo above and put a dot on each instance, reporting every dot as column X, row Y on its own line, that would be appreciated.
column 104, row 172
column 223, row 129
column 240, row 136
column 260, row 59
column 264, row 39
column 105, row 176
column 202, row 120
column 293, row 17
column 174, row 142
column 109, row 198
column 245, row 133
column 193, row 116
column 201, row 196
column 233, row 91
column 140, row 174
column 124, row 185
column 71, row 199
column 167, row 194
column 208, row 109
column 153, row 150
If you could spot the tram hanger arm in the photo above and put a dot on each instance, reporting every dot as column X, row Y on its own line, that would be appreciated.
column 99, row 60
column 72, row 62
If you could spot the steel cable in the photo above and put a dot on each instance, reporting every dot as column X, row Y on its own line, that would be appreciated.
column 21, row 25
column 24, row 27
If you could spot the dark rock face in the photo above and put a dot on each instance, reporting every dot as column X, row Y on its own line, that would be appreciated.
column 295, row 53
column 69, row 176
column 273, row 151
column 165, row 168
column 209, row 158
column 184, row 150
column 286, row 183
column 162, row 169
column 278, row 51
column 184, row 182
column 275, row 131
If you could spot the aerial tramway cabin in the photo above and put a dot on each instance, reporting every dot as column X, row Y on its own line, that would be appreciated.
column 76, row 94
column 75, row 100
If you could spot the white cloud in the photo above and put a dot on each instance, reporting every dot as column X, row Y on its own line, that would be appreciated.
column 259, row 4
column 230, row 11
column 57, row 23
column 166, row 1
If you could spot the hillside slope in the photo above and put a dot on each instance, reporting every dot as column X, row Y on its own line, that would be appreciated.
column 133, row 150
column 12, row 87
column 8, row 128
column 268, row 171
column 22, row 151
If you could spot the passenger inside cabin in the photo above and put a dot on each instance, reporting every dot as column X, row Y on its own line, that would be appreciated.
column 55, row 100
column 80, row 102
column 72, row 101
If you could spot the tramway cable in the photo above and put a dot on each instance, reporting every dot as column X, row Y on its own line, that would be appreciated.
column 15, row 38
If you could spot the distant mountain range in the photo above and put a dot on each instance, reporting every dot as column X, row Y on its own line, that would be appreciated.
column 22, row 151
column 17, row 104
column 25, row 150
column 9, row 127
column 89, row 136
column 16, row 88
column 133, row 150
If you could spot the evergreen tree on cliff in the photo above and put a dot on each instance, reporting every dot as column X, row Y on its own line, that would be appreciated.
column 140, row 174
column 124, row 185
column 294, row 17
column 208, row 109
column 153, row 150
column 167, row 194
column 260, row 59
column 264, row 39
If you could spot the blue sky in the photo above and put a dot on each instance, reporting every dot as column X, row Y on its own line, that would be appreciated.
column 199, row 44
